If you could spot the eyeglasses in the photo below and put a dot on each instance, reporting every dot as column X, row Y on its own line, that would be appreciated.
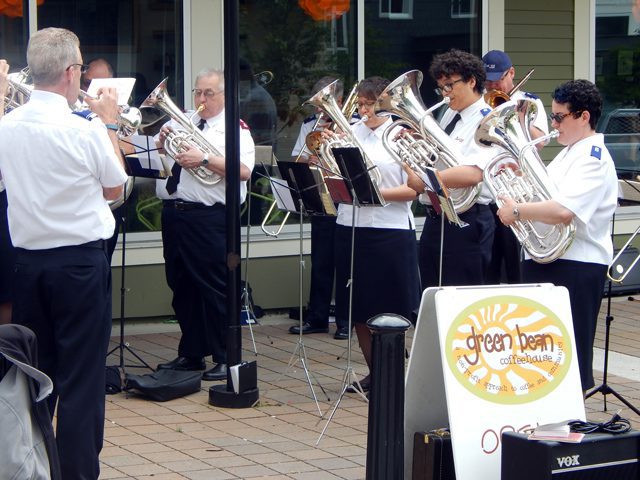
column 447, row 87
column 366, row 104
column 559, row 117
column 83, row 68
column 209, row 94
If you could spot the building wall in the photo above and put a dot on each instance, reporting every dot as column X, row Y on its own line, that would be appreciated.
column 540, row 35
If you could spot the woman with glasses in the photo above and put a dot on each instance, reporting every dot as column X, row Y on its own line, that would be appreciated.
column 385, row 276
column 466, row 252
column 585, row 178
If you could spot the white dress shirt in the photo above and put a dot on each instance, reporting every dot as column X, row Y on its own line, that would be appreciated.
column 54, row 166
column 191, row 189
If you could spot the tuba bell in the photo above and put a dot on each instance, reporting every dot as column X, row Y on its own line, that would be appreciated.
column 422, row 143
column 326, row 101
column 180, row 140
column 518, row 172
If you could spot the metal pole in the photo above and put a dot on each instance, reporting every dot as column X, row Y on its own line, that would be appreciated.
column 385, row 436
column 224, row 396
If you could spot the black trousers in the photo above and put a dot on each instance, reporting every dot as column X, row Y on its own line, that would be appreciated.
column 466, row 251
column 8, row 253
column 323, row 269
column 505, row 265
column 64, row 296
column 585, row 282
column 194, row 249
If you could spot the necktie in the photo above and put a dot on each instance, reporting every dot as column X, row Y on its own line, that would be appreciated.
column 174, row 179
column 452, row 124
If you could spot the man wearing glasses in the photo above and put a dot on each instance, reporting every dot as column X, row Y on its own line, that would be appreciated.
column 60, row 170
column 585, row 178
column 193, row 231
column 506, row 248
column 466, row 251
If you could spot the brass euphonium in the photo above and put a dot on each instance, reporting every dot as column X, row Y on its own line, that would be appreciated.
column 326, row 101
column 180, row 140
column 19, row 89
column 518, row 172
column 422, row 143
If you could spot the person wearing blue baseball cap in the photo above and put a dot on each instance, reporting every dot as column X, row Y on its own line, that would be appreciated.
column 505, row 254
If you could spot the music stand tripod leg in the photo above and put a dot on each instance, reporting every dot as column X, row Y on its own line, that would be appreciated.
column 122, row 345
column 299, row 353
column 349, row 373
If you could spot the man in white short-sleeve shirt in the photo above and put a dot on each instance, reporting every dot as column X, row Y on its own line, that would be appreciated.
column 60, row 169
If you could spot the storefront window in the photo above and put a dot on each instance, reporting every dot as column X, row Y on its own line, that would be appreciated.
column 617, row 69
column 141, row 39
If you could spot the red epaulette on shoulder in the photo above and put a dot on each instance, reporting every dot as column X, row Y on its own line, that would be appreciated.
column 244, row 125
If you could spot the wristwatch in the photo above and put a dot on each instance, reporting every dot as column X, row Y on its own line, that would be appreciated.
column 205, row 160
column 516, row 212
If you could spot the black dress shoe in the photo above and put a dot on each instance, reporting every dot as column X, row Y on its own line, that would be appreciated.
column 183, row 363
column 219, row 372
column 342, row 333
column 308, row 328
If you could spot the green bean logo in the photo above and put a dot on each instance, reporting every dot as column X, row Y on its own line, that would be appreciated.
column 508, row 349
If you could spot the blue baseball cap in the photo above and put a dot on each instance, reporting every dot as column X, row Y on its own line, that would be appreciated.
column 496, row 62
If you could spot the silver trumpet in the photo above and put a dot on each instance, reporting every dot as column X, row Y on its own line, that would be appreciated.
column 19, row 89
column 519, row 173
column 179, row 141
column 422, row 143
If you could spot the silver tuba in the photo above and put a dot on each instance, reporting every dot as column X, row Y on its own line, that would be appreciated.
column 519, row 173
column 422, row 143
column 19, row 89
column 180, row 140
column 326, row 101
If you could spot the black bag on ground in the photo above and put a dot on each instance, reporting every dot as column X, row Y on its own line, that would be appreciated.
column 433, row 456
column 113, row 380
column 164, row 385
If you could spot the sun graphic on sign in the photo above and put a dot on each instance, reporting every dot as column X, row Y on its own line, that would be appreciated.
column 508, row 349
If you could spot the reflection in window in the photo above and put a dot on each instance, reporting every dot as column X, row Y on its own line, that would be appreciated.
column 463, row 8
column 396, row 9
column 617, row 69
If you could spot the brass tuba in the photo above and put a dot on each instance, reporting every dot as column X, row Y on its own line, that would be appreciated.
column 19, row 89
column 180, row 140
column 519, row 173
column 326, row 101
column 422, row 143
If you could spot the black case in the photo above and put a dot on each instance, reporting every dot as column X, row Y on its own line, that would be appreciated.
column 433, row 456
column 164, row 385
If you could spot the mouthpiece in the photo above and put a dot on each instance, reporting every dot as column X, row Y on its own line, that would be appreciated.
column 444, row 101
column 364, row 118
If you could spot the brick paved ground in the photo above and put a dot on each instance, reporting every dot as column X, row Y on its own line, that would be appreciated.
column 189, row 439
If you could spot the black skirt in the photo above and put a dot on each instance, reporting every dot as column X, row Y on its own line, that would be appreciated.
column 385, row 272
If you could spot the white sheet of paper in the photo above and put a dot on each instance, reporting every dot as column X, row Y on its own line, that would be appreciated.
column 124, row 86
column 283, row 196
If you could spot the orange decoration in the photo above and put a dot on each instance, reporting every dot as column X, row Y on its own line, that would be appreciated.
column 321, row 10
column 13, row 8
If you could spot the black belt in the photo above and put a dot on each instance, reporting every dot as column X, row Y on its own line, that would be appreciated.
column 430, row 212
column 184, row 205
column 99, row 244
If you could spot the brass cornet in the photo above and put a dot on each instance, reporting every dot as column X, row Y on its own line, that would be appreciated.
column 19, row 90
column 128, row 119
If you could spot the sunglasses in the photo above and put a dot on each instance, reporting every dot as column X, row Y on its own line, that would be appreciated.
column 559, row 117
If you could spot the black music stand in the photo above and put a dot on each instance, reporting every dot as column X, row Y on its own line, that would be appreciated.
column 300, row 192
column 604, row 388
column 144, row 162
column 363, row 193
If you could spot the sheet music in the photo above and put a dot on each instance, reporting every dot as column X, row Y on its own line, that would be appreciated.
column 146, row 160
column 282, row 194
column 124, row 86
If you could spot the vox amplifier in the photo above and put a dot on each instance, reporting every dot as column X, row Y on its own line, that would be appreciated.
column 598, row 456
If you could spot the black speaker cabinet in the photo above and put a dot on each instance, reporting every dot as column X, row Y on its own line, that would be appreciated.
column 597, row 457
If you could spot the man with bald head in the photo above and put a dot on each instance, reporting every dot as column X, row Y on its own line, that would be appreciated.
column 98, row 68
